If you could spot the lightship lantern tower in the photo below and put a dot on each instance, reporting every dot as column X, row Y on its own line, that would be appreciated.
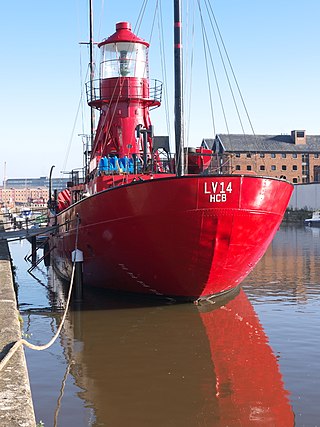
column 123, row 96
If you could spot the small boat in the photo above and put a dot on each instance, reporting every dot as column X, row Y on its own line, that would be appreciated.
column 314, row 221
column 148, row 223
column 39, row 231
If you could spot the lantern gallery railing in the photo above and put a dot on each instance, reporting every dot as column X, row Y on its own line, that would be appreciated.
column 98, row 90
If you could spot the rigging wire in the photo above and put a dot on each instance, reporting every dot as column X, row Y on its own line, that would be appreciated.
column 81, row 101
column 153, row 22
column 164, row 67
column 220, row 44
column 100, row 22
column 80, row 104
column 136, row 30
column 230, row 65
column 223, row 54
column 188, row 89
column 82, row 85
column 206, row 44
column 140, row 16
column 72, row 132
column 224, row 67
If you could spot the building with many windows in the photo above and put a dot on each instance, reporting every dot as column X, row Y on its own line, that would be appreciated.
column 22, row 196
column 294, row 157
column 31, row 191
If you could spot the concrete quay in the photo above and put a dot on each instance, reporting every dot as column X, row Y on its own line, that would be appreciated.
column 16, row 407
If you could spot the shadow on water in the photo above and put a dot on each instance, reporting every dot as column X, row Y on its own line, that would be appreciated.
column 103, row 299
column 100, row 299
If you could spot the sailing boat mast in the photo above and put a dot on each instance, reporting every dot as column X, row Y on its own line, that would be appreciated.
column 91, row 67
column 178, row 106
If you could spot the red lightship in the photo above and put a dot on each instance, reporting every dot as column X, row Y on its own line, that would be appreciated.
column 144, row 222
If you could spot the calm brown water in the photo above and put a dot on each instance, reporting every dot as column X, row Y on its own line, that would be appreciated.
column 253, row 361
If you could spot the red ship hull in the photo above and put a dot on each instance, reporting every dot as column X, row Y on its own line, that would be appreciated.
column 189, row 237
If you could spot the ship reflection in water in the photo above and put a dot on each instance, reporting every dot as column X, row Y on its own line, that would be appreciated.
column 175, row 365
column 121, row 363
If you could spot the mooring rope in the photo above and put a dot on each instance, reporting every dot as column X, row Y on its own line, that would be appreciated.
column 22, row 341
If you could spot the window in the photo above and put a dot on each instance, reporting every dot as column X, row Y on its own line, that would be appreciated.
column 316, row 155
column 237, row 154
column 284, row 167
column 295, row 180
column 316, row 171
column 262, row 155
column 272, row 155
column 300, row 134
column 248, row 154
column 237, row 167
column 273, row 167
column 262, row 168
column 294, row 155
column 122, row 59
column 294, row 167
column 249, row 168
column 283, row 155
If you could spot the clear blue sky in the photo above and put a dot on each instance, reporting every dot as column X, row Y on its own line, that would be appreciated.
column 273, row 46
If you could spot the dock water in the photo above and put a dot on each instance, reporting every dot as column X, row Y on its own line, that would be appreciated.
column 16, row 406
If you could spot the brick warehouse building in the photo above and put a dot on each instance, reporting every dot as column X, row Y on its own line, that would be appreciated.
column 294, row 157
column 19, row 191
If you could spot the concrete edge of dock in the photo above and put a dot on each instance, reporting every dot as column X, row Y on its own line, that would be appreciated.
column 16, row 406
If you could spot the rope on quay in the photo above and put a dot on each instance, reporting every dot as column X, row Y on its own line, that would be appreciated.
column 22, row 341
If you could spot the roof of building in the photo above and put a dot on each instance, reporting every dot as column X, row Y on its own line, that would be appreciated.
column 264, row 143
column 43, row 181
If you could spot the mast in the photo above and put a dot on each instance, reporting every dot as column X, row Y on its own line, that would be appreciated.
column 5, row 175
column 91, row 65
column 178, row 106
column 50, row 188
